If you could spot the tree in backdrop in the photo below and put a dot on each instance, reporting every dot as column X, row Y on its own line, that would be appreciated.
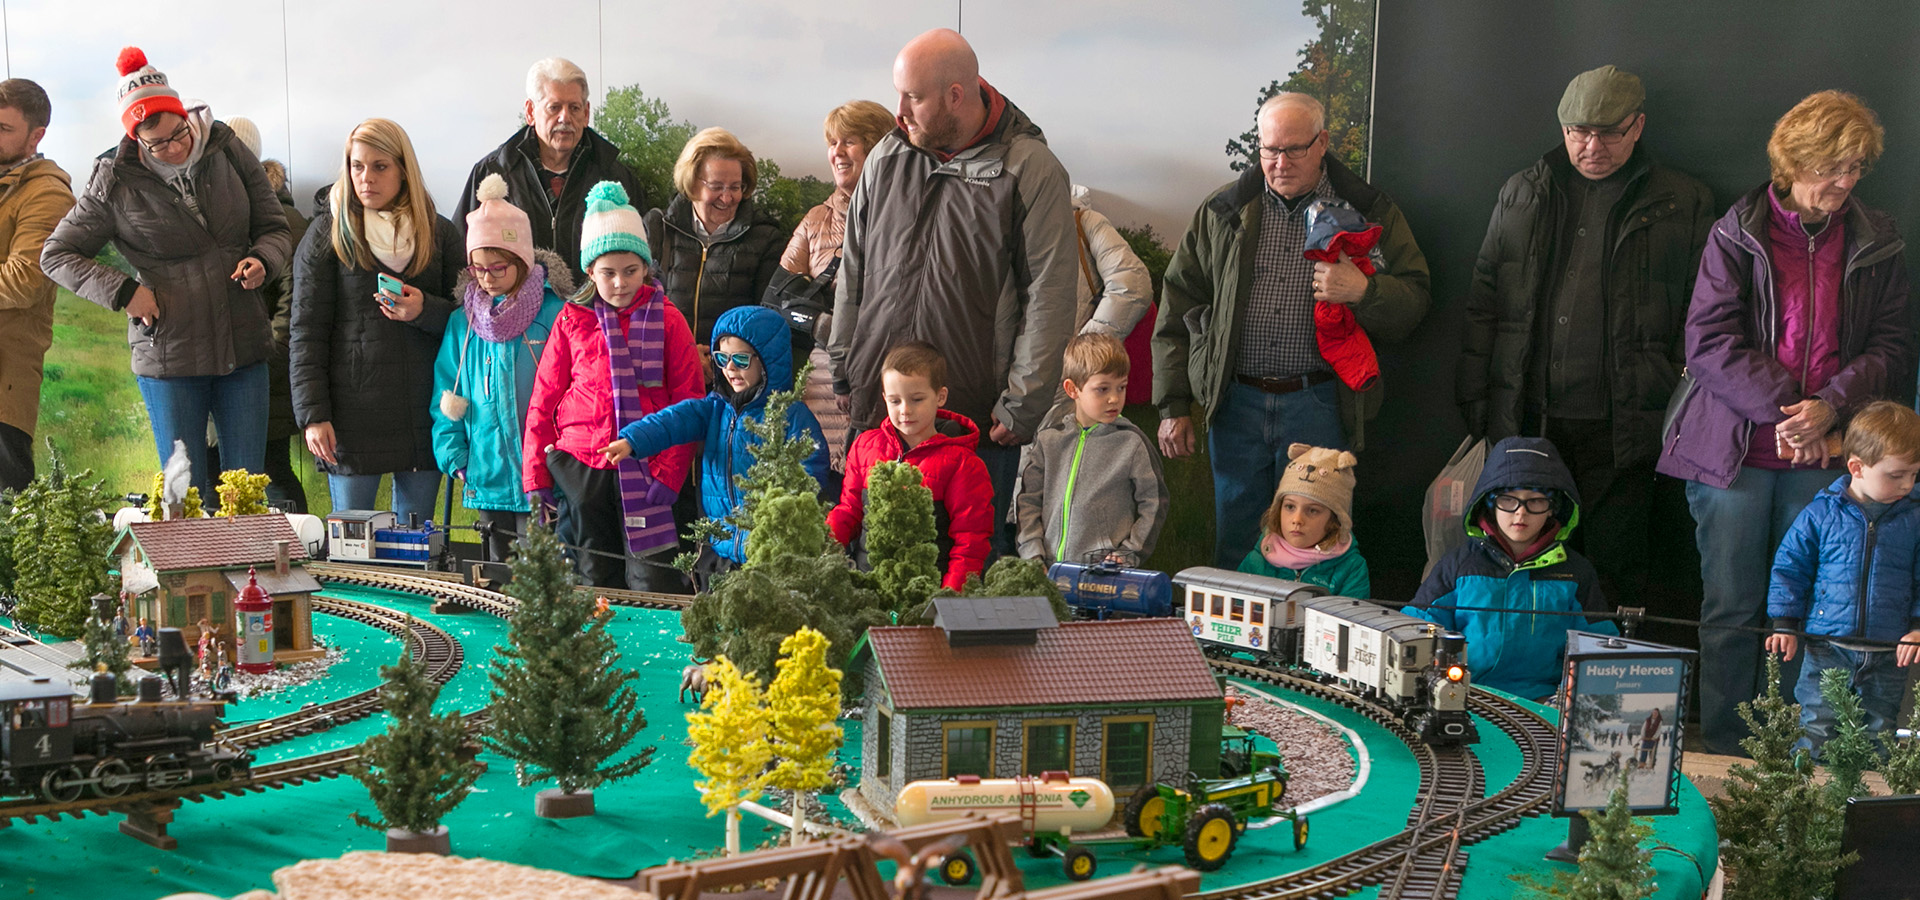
column 730, row 747
column 650, row 140
column 803, row 707
column 1335, row 67
column 416, row 772
column 561, row 707
column 1850, row 752
column 900, row 534
column 1780, row 837
column 61, row 536
column 1153, row 252
column 1902, row 768
column 242, row 493
column 106, row 651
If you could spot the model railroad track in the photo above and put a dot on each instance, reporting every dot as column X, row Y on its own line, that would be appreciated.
column 1426, row 860
column 439, row 654
column 450, row 588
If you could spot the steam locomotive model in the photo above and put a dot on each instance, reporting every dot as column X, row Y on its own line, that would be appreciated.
column 58, row 749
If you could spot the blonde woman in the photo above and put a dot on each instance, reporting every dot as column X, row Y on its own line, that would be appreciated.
column 1798, row 320
column 712, row 249
column 851, row 131
column 363, row 354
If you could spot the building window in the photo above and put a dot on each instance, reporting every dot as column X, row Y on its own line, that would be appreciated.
column 1197, row 601
column 1219, row 606
column 1129, row 751
column 196, row 609
column 1049, row 747
column 883, row 745
column 1257, row 615
column 1239, row 613
column 969, row 749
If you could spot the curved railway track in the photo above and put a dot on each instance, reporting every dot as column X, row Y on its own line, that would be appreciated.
column 1425, row 860
column 452, row 589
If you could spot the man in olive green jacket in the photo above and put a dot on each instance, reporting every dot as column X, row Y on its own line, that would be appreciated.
column 34, row 195
column 1236, row 335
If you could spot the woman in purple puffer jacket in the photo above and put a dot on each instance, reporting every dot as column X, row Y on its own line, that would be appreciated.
column 1799, row 318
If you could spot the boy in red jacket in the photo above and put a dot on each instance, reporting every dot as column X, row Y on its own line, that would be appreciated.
column 913, row 384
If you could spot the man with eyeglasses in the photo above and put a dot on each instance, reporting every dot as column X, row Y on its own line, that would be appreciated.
column 1243, row 349
column 552, row 161
column 1575, row 316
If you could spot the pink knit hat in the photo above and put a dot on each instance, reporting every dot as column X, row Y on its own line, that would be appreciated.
column 144, row 92
column 497, row 223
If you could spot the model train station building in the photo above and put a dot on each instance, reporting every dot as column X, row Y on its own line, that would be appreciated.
column 996, row 687
column 181, row 571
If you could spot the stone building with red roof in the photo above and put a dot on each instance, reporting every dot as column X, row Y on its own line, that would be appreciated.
column 997, row 688
column 180, row 571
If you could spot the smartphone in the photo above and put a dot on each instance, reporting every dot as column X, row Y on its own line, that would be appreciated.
column 390, row 285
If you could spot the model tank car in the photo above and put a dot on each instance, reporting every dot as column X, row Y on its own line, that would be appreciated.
column 1103, row 590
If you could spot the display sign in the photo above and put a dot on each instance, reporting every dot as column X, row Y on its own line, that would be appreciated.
column 1621, row 704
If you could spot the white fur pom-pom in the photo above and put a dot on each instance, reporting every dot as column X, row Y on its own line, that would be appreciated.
column 492, row 187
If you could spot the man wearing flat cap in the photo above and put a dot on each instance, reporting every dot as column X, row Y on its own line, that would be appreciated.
column 1574, row 321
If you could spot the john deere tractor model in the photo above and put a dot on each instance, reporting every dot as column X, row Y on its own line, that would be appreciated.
column 1207, row 817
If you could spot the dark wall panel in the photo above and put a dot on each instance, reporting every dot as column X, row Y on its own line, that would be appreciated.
column 1465, row 96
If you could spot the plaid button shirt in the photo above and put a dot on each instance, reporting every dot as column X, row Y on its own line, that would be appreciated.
column 1277, row 338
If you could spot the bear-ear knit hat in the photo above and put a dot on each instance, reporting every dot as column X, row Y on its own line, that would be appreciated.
column 611, row 226
column 1323, row 476
column 498, row 224
column 144, row 92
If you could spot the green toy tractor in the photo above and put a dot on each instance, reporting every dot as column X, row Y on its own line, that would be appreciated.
column 1208, row 816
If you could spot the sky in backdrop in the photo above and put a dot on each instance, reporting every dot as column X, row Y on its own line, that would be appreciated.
column 1137, row 97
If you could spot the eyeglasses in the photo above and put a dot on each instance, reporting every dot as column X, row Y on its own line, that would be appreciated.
column 715, row 187
column 732, row 360
column 1293, row 153
column 1834, row 170
column 178, row 135
column 1509, row 503
column 494, row 271
column 1581, row 134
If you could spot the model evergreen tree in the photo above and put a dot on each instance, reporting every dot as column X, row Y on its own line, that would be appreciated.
column 192, row 508
column 415, row 772
column 156, row 497
column 60, row 543
column 1849, row 753
column 730, row 748
column 777, row 496
column 1780, row 837
column 7, row 571
column 242, row 493
column 900, row 533
column 1902, row 768
column 106, row 652
column 1613, row 865
column 561, row 709
column 803, row 707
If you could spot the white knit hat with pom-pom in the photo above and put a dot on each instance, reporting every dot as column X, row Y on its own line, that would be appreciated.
column 497, row 223
column 611, row 225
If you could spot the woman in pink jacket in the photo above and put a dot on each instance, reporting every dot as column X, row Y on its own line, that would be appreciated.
column 619, row 351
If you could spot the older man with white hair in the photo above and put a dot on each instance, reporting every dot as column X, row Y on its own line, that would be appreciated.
column 1236, row 332
column 550, row 163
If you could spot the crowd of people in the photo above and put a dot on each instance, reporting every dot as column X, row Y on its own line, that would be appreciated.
column 562, row 354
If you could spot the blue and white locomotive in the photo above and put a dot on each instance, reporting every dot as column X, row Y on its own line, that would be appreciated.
column 376, row 536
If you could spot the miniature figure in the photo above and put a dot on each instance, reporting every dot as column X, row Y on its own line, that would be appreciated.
column 145, row 635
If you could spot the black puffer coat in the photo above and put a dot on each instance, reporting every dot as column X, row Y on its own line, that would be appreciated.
column 371, row 376
column 704, row 281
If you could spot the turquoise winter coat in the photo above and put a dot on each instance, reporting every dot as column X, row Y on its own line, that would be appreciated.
column 1344, row 575
column 497, row 381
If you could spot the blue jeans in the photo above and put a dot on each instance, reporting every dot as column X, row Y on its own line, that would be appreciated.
column 1247, row 439
column 1738, row 529
column 413, row 492
column 178, row 409
column 1871, row 673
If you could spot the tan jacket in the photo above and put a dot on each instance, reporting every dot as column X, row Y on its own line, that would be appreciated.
column 816, row 242
column 33, row 199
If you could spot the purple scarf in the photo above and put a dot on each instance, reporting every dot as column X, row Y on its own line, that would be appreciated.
column 646, row 503
column 508, row 319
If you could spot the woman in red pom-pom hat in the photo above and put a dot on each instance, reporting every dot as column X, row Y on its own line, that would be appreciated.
column 188, row 205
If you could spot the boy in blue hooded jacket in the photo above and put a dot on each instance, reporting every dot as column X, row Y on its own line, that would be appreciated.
column 753, row 354
column 1846, row 571
column 1503, row 588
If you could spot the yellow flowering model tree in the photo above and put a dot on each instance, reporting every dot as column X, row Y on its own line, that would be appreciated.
column 803, row 706
column 730, row 749
column 242, row 493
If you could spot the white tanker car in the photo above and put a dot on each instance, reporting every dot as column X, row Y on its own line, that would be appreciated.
column 1054, row 807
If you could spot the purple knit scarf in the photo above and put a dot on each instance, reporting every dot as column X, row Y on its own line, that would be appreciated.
column 646, row 503
column 508, row 319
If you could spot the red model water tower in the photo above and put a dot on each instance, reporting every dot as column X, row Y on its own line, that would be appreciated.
column 254, row 610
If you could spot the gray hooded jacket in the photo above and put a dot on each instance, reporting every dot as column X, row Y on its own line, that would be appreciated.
column 1088, row 489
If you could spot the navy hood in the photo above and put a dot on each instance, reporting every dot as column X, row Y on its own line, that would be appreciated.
column 767, row 332
column 1526, row 462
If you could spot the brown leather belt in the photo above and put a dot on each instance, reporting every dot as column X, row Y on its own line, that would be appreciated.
column 1286, row 385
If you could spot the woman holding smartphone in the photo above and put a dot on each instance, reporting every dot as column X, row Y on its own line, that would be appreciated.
column 372, row 283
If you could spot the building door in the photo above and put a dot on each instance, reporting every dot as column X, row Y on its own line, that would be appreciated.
column 283, row 625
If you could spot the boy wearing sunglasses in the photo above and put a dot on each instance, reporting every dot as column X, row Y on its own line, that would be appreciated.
column 1510, row 585
column 753, row 355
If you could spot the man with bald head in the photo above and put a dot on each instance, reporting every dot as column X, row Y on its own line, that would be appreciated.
column 1236, row 330
column 960, row 233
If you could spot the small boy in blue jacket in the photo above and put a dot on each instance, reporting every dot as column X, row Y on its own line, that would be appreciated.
column 1508, row 588
column 753, row 354
column 1866, row 523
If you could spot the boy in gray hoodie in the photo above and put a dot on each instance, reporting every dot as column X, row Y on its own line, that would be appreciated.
column 1092, row 487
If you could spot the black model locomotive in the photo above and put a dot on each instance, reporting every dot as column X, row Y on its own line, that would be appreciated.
column 58, row 749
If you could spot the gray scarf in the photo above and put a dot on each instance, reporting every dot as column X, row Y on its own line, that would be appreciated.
column 180, row 177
